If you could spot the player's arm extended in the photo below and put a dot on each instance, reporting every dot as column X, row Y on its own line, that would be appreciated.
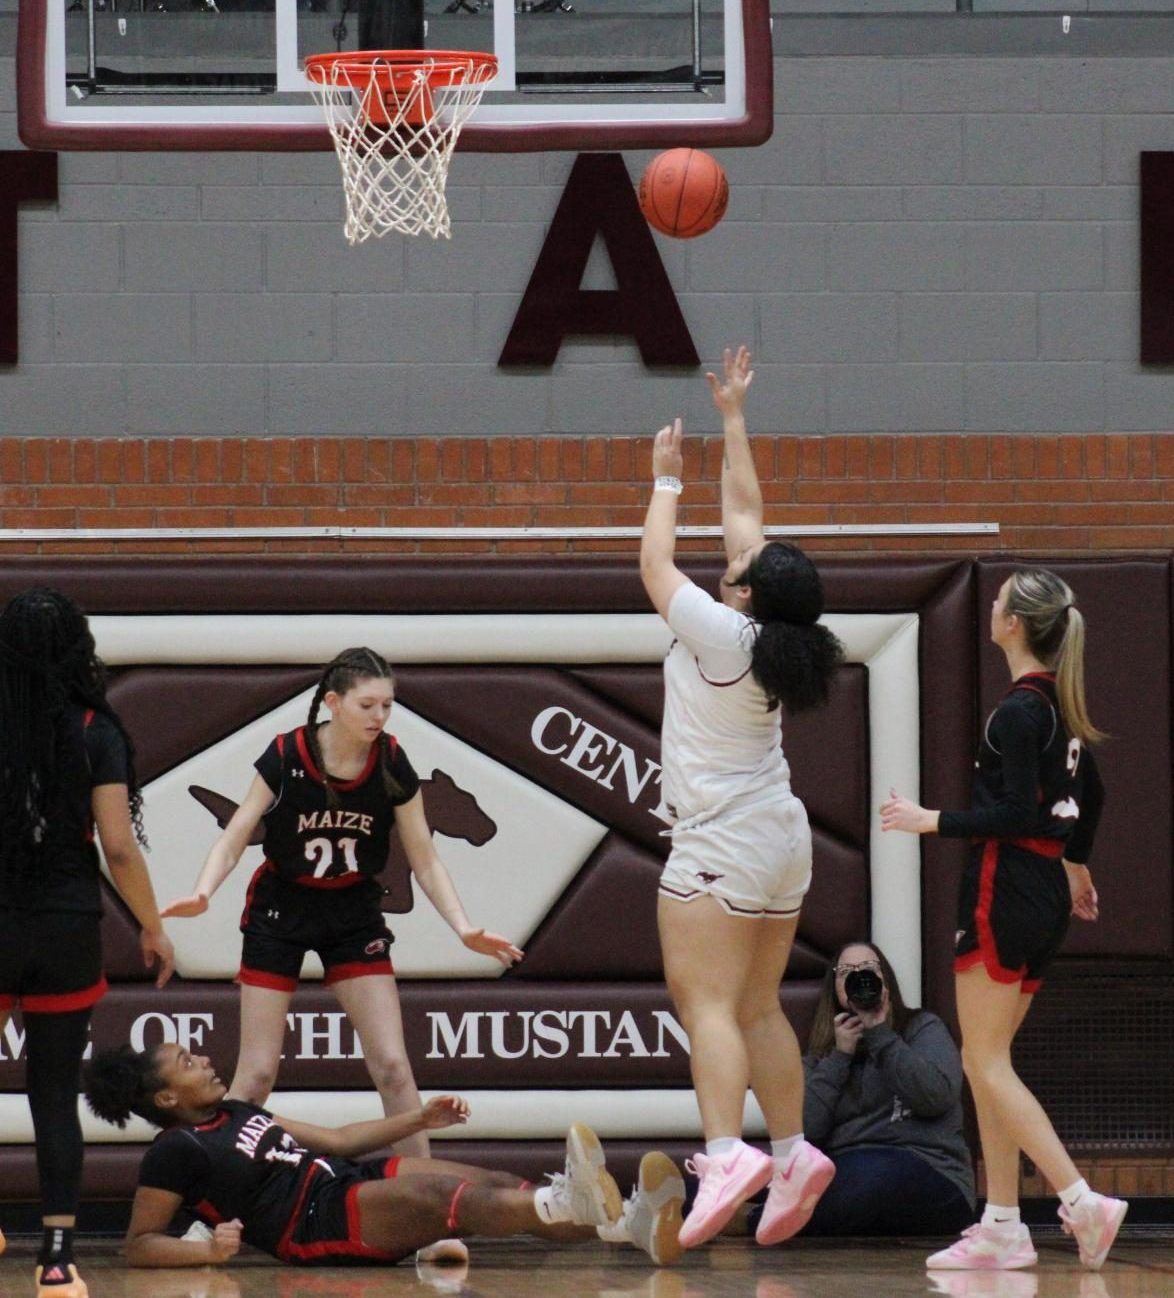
column 359, row 1138
column 149, row 1245
column 225, row 852
column 434, row 879
column 658, row 540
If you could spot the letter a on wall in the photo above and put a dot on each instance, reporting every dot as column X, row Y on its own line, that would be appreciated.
column 599, row 200
column 1157, row 258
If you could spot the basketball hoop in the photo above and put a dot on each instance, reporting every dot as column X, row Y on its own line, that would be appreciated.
column 395, row 116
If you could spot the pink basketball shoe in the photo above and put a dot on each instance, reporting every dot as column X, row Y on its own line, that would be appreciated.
column 794, row 1192
column 982, row 1248
column 1094, row 1223
column 725, row 1183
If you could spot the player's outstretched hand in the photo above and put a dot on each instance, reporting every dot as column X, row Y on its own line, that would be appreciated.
column 1084, row 895
column 157, row 950
column 492, row 944
column 185, row 907
column 445, row 1111
column 226, row 1239
column 667, row 457
column 729, row 392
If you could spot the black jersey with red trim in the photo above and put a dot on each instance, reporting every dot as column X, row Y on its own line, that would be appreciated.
column 1032, row 779
column 240, row 1164
column 65, row 875
column 311, row 842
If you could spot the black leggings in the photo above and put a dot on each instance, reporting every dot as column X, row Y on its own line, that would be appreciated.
column 54, row 1045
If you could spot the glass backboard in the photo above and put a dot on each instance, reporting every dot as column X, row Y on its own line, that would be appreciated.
column 227, row 74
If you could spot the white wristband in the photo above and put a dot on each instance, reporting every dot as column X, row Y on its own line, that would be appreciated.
column 666, row 482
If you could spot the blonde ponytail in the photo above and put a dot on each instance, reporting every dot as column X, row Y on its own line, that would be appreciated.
column 1046, row 606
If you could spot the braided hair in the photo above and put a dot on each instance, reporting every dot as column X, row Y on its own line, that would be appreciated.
column 794, row 659
column 47, row 661
column 124, row 1081
column 341, row 675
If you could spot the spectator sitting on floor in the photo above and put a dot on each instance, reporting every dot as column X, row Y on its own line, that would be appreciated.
column 883, row 1101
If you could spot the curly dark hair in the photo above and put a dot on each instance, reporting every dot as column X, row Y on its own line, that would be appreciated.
column 119, row 1082
column 794, row 658
column 341, row 674
column 47, row 661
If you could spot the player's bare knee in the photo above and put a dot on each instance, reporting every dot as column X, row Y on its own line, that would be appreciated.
column 391, row 1074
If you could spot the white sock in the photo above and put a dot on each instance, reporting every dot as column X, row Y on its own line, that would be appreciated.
column 1074, row 1193
column 617, row 1232
column 549, row 1205
column 782, row 1150
column 722, row 1146
column 999, row 1217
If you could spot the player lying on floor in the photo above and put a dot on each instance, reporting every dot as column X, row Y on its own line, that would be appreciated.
column 306, row 1195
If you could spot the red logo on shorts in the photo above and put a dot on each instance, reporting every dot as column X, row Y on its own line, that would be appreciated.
column 373, row 948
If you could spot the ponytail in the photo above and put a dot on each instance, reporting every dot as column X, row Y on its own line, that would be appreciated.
column 1055, row 632
column 794, row 658
column 795, row 665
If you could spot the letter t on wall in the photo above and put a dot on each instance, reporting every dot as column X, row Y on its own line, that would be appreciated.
column 24, row 177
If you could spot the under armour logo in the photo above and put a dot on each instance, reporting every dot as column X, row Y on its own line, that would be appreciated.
column 273, row 914
column 297, row 773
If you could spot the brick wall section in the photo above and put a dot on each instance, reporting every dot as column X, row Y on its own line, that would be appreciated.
column 1054, row 494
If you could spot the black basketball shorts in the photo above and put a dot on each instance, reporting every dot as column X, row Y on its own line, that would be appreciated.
column 50, row 961
column 1013, row 911
column 325, row 1228
column 283, row 920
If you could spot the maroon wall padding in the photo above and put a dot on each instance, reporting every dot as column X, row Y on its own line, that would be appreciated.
column 467, row 1034
column 174, row 712
column 594, row 960
column 341, row 584
column 1126, row 604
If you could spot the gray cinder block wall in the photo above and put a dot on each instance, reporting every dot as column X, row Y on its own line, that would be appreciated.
column 942, row 235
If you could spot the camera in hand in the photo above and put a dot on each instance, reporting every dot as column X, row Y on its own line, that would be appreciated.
column 864, row 989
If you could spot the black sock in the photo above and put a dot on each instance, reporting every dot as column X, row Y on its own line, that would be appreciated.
column 56, row 1252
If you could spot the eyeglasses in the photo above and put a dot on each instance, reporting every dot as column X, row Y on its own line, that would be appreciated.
column 843, row 970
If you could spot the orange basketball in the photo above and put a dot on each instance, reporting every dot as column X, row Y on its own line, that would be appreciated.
column 684, row 193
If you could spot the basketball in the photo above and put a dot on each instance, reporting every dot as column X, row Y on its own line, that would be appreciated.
column 683, row 193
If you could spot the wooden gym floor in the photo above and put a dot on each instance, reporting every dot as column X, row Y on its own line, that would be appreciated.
column 1141, row 1266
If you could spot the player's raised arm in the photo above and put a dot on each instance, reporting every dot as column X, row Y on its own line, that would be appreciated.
column 658, row 569
column 741, row 494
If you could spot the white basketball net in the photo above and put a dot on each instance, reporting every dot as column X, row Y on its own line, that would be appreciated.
column 394, row 130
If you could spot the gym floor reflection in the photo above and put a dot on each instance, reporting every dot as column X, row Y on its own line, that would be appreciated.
column 1141, row 1266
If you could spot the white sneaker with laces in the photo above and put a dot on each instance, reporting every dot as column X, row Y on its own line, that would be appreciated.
column 652, row 1215
column 586, row 1193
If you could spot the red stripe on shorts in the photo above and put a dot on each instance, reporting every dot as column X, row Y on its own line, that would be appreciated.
column 356, row 969
column 258, row 978
column 987, row 948
column 65, row 1002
